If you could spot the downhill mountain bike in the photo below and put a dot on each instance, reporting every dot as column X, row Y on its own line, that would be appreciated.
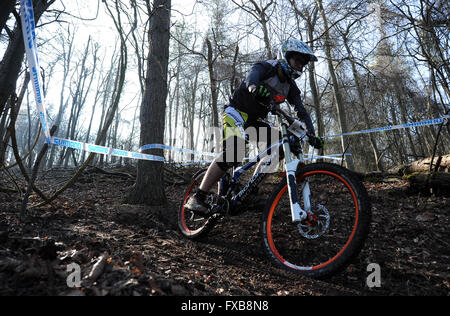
column 314, row 223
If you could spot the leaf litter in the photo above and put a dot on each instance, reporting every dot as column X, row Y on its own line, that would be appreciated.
column 137, row 250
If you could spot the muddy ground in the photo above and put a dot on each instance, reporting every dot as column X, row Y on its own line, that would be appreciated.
column 137, row 250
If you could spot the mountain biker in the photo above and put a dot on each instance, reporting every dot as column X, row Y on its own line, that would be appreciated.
column 267, row 80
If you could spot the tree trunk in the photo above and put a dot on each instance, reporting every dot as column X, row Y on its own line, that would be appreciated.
column 213, row 83
column 173, row 134
column 397, row 85
column 149, row 187
column 260, row 13
column 310, row 22
column 17, row 104
column 362, row 101
column 424, row 165
column 67, row 56
column 314, row 90
column 4, row 133
column 337, row 93
column 266, row 35
column 6, row 7
column 397, row 139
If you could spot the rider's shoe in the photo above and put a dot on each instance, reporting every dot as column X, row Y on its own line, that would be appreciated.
column 197, row 205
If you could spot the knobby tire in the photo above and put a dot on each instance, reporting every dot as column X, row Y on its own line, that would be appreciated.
column 345, row 199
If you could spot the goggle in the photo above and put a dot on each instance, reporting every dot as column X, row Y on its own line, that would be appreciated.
column 300, row 59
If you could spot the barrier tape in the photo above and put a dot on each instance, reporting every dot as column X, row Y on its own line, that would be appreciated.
column 103, row 150
column 337, row 157
column 435, row 121
column 29, row 37
column 175, row 149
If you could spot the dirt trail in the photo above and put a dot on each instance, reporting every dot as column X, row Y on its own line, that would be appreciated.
column 143, row 255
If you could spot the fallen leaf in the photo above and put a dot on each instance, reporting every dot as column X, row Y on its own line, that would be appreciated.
column 136, row 270
column 425, row 217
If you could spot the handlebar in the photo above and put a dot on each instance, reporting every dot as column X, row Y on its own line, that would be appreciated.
column 287, row 117
column 274, row 108
column 278, row 111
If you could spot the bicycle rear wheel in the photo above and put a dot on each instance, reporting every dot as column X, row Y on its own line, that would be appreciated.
column 335, row 230
column 191, row 225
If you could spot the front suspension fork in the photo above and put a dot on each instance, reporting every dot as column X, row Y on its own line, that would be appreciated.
column 291, row 164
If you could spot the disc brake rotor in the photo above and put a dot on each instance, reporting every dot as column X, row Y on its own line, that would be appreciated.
column 316, row 224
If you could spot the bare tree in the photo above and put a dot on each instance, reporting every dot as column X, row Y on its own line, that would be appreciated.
column 83, row 81
column 114, row 101
column 12, row 60
column 345, row 34
column 149, row 187
column 337, row 92
column 260, row 12
column 309, row 16
column 6, row 7
column 66, row 56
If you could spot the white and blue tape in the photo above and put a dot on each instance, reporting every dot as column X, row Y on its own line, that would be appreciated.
column 175, row 149
column 103, row 150
column 435, row 121
column 29, row 37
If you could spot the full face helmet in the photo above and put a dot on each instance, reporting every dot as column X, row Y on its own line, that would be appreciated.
column 291, row 47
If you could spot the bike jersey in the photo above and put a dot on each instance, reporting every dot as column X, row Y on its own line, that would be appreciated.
column 270, row 74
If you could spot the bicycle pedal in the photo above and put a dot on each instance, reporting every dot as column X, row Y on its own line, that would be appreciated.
column 218, row 209
column 221, row 208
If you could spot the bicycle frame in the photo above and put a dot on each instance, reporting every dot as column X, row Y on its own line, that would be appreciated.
column 259, row 174
column 290, row 164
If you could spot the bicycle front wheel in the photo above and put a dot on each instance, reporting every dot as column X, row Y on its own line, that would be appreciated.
column 336, row 227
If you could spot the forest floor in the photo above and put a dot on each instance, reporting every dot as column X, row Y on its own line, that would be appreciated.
column 137, row 250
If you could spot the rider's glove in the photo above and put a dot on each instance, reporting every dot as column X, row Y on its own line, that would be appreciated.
column 316, row 142
column 260, row 91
